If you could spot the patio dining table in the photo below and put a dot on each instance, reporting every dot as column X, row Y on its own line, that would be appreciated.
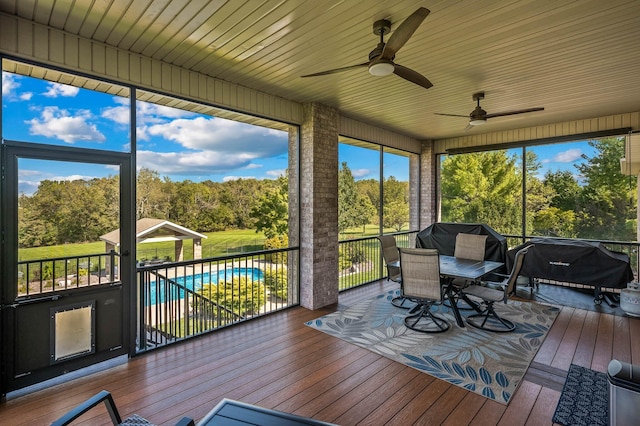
column 466, row 269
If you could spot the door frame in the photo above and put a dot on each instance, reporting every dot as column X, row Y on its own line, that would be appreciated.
column 11, row 152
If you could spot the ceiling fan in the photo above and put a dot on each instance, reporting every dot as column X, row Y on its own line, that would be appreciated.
column 479, row 116
column 380, row 61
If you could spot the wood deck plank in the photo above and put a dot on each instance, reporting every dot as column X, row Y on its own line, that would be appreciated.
column 634, row 330
column 544, row 407
column 567, row 348
column 604, row 344
column 415, row 408
column 520, row 404
column 278, row 362
column 551, row 343
column 465, row 411
column 391, row 406
column 587, row 342
column 621, row 349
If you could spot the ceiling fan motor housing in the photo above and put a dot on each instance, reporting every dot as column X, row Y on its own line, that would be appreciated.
column 381, row 27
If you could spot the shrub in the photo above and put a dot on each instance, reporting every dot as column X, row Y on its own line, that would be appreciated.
column 277, row 242
column 276, row 280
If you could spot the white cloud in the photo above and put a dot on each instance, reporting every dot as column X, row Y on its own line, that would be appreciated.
column 57, row 89
column 191, row 163
column 119, row 114
column 9, row 83
column 276, row 173
column 27, row 187
column 58, row 123
column 568, row 156
column 359, row 173
column 26, row 96
column 70, row 178
column 230, row 178
column 223, row 136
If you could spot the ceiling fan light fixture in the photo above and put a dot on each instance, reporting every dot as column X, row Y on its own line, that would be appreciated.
column 381, row 68
column 477, row 121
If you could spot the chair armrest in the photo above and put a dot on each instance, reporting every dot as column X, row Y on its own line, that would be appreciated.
column 186, row 421
column 103, row 396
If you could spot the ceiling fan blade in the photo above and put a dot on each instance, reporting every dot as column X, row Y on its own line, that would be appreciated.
column 412, row 76
column 451, row 115
column 403, row 33
column 337, row 70
column 468, row 128
column 521, row 111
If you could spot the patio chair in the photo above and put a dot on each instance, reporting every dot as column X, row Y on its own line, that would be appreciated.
column 105, row 396
column 390, row 256
column 493, row 292
column 421, row 285
column 468, row 246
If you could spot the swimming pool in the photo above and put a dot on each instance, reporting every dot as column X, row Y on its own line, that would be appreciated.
column 157, row 291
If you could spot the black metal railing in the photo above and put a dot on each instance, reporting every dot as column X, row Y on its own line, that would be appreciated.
column 63, row 273
column 360, row 259
column 180, row 300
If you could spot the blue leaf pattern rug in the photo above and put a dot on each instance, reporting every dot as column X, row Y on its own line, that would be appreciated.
column 490, row 364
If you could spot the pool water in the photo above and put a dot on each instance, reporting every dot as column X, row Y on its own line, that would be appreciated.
column 195, row 282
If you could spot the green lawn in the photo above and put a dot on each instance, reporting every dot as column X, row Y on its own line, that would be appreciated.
column 368, row 230
column 216, row 244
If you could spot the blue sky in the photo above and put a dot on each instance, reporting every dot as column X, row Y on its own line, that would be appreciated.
column 176, row 143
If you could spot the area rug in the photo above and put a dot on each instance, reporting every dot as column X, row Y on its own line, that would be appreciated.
column 584, row 399
column 490, row 364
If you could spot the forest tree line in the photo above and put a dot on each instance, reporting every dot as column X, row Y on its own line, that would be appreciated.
column 596, row 201
column 61, row 212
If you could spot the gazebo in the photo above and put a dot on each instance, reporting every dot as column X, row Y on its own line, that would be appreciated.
column 150, row 230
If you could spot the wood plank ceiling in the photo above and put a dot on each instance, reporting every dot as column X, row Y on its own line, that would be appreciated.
column 577, row 59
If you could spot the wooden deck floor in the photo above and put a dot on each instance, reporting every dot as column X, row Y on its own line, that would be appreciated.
column 277, row 362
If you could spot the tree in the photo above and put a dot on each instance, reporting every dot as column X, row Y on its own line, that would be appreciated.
column 607, row 205
column 566, row 190
column 370, row 188
column 396, row 203
column 347, row 198
column 396, row 215
column 553, row 222
column 150, row 199
column 354, row 206
column 271, row 213
column 482, row 187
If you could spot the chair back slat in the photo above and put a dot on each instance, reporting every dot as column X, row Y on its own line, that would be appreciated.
column 515, row 271
column 470, row 246
column 390, row 254
column 389, row 248
column 420, row 273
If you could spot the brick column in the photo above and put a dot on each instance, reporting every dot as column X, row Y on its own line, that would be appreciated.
column 428, row 189
column 319, row 207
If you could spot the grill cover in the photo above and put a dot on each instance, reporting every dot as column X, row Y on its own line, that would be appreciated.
column 573, row 261
column 442, row 236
